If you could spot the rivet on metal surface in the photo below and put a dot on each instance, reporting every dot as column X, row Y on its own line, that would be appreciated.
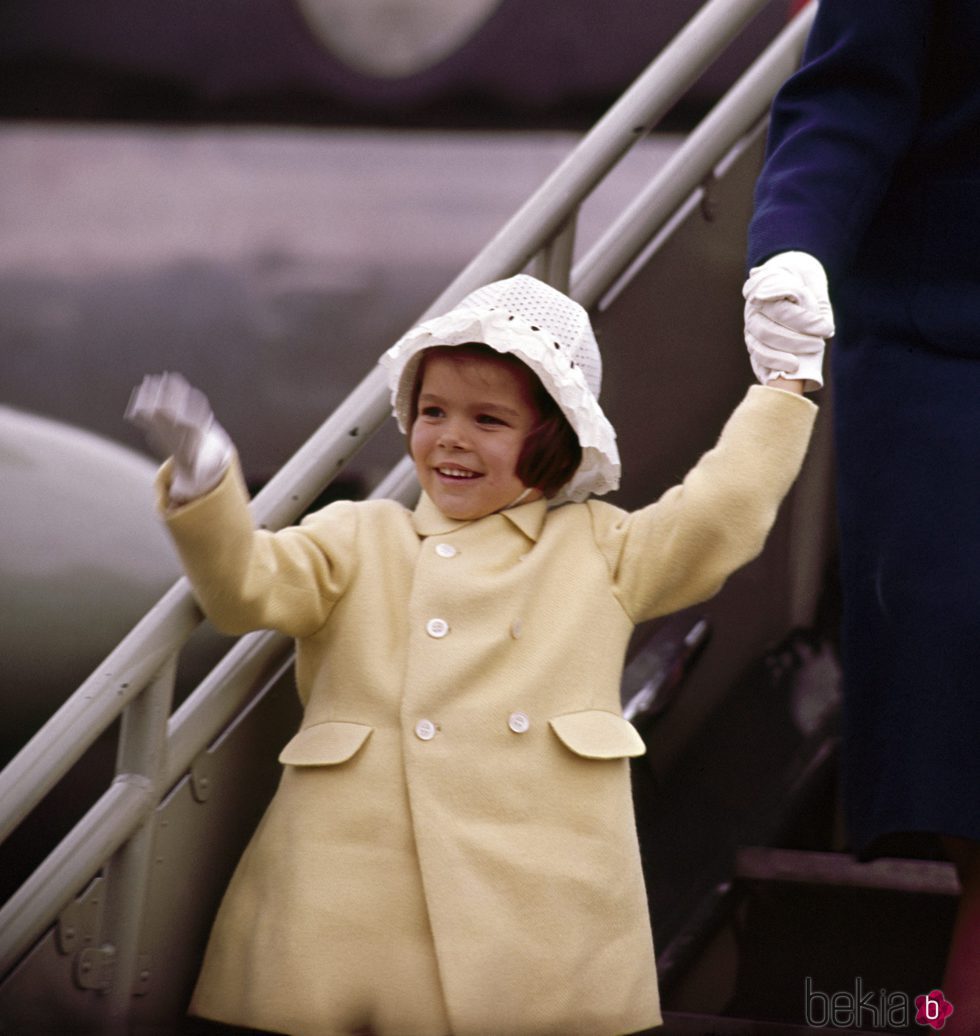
column 201, row 779
column 142, row 984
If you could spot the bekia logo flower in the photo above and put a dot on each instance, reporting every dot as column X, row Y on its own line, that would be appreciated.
column 932, row 1009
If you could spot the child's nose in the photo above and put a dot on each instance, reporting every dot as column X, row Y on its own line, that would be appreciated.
column 453, row 435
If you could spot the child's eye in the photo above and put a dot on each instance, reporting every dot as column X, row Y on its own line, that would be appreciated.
column 431, row 411
column 489, row 419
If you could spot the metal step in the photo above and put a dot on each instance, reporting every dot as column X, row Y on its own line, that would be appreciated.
column 802, row 939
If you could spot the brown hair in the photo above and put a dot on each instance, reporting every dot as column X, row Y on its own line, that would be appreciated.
column 551, row 452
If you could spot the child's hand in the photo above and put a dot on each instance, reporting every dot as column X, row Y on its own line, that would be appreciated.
column 177, row 420
column 788, row 317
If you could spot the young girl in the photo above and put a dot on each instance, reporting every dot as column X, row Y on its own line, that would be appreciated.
column 452, row 847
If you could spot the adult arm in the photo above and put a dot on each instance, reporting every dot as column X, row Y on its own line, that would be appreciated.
column 839, row 127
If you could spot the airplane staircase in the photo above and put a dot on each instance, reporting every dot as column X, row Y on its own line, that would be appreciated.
column 737, row 700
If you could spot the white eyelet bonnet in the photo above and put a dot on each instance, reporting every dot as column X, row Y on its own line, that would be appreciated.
column 551, row 333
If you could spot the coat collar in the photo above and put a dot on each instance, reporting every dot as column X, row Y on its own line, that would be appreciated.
column 430, row 521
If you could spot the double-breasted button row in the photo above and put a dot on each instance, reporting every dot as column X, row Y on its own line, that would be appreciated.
column 519, row 723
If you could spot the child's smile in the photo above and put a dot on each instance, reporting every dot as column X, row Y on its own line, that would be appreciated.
column 474, row 414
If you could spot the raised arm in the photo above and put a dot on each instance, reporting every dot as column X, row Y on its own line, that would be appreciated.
column 681, row 549
column 244, row 578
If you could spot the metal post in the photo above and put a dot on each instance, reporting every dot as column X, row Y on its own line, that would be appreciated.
column 68, row 734
column 142, row 752
column 70, row 867
column 553, row 264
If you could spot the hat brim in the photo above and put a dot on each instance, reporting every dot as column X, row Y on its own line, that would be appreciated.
column 600, row 469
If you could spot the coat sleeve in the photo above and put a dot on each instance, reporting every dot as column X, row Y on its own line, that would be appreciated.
column 247, row 578
column 681, row 549
column 839, row 127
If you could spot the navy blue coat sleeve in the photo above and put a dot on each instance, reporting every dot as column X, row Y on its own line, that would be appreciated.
column 839, row 126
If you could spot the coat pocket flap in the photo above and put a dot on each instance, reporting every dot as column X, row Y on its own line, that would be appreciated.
column 595, row 734
column 325, row 744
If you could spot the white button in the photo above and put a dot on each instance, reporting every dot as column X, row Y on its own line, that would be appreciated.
column 446, row 550
column 437, row 628
column 516, row 629
column 425, row 730
column 519, row 722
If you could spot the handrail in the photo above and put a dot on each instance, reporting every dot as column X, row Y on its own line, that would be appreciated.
column 543, row 226
column 716, row 135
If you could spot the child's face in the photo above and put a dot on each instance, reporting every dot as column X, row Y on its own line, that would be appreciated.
column 473, row 416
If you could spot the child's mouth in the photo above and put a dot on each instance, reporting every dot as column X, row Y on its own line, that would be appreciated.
column 455, row 474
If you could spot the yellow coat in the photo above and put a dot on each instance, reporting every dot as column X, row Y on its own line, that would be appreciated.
column 452, row 848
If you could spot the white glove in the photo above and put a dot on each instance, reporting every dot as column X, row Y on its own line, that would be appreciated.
column 177, row 420
column 788, row 317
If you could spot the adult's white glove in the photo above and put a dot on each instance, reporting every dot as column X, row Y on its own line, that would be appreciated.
column 177, row 420
column 788, row 318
